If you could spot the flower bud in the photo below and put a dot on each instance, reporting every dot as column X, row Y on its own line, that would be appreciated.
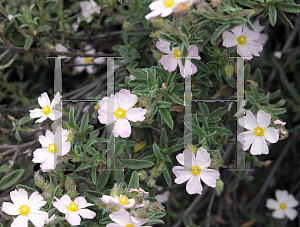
column 155, row 34
column 126, row 25
column 111, row 207
column 115, row 191
column 229, row 71
column 141, row 214
column 215, row 3
column 100, row 204
column 24, row 9
column 157, row 207
column 151, row 182
column 139, row 198
column 72, row 193
column 142, row 175
column 155, row 172
column 157, row 55
column 39, row 180
column 71, row 136
column 219, row 187
column 201, row 9
column 69, row 183
column 158, row 22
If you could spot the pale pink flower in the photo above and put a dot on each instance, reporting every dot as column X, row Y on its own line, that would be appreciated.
column 164, row 86
column 122, row 201
column 263, row 38
column 123, row 219
column 258, row 134
column 72, row 209
column 162, row 198
column 122, row 113
column 47, row 108
column 281, row 133
column 26, row 209
column 163, row 8
column 283, row 206
column 279, row 122
column 90, row 69
column 53, row 145
column 173, row 58
column 245, row 40
column 88, row 9
column 194, row 169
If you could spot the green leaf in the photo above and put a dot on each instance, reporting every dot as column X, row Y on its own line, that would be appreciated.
column 222, row 131
column 218, row 32
column 185, row 42
column 11, row 179
column 3, row 168
column 247, row 70
column 43, row 27
column 94, row 176
column 167, row 177
column 176, row 99
column 102, row 179
column 165, row 115
column 163, row 138
column 134, row 180
column 200, row 65
column 93, row 195
column 120, row 146
column 84, row 166
column 85, row 120
column 272, row 15
column 157, row 153
column 184, row 28
column 165, row 37
column 219, row 112
column 26, row 188
column 137, row 73
column 119, row 172
column 136, row 164
column 284, row 18
column 203, row 109
column 290, row 8
column 259, row 78
column 151, row 81
column 71, row 119
column 233, row 185
column 28, row 42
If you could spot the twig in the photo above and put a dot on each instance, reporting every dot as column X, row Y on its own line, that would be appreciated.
column 4, row 54
column 9, row 63
column 12, row 162
column 18, row 146
column 209, row 208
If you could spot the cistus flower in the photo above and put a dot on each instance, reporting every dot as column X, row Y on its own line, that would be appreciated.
column 245, row 40
column 170, row 61
column 258, row 134
column 123, row 219
column 88, row 9
column 122, row 201
column 47, row 108
column 164, row 86
column 122, row 113
column 263, row 38
column 279, row 122
column 80, row 61
column 26, row 209
column 283, row 205
column 163, row 8
column 72, row 209
column 194, row 169
column 52, row 147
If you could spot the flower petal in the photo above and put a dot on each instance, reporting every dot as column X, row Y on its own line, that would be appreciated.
column 40, row 155
column 38, row 217
column 291, row 213
column 254, row 47
column 279, row 214
column 20, row 221
column 125, row 99
column 243, row 51
column 182, row 174
column 169, row 62
column 36, row 113
column 291, row 201
column 122, row 128
column 54, row 115
column 86, row 213
column 237, row 31
column 164, row 46
column 194, row 52
column 209, row 177
column 154, row 13
column 271, row 134
column 263, row 119
column 19, row 197
column 249, row 121
column 41, row 119
column 56, row 100
column 229, row 40
column 136, row 114
column 281, row 195
column 167, row 11
column 90, row 69
column 262, row 39
column 49, row 164
column 194, row 186
column 73, row 218
column 36, row 201
column 61, row 204
column 272, row 204
column 246, row 138
column 10, row 208
column 82, row 203
column 44, row 100
column 250, row 35
column 121, row 217
column 187, row 158
column 66, row 148
column 259, row 146
column 203, row 158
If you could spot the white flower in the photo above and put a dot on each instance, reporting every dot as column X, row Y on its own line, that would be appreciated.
column 47, row 108
column 123, row 219
column 26, row 209
column 122, row 201
column 163, row 8
column 61, row 48
column 131, row 77
column 72, row 209
column 88, row 60
column 52, row 146
column 10, row 17
column 50, row 219
column 194, row 169
column 162, row 198
column 88, row 9
column 258, row 134
column 283, row 206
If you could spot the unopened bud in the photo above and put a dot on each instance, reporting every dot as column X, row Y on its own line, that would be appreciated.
column 111, row 207
column 142, row 175
column 39, row 180
column 139, row 198
column 141, row 214
column 155, row 172
column 215, row 3
column 164, row 86
column 183, row 7
column 126, row 25
column 155, row 34
column 158, row 22
column 201, row 9
column 71, row 136
column 219, row 187
column 115, row 191
column 151, row 182
column 69, row 183
column 157, row 207
column 229, row 71
column 100, row 204
column 24, row 9
column 34, row 32
column 72, row 193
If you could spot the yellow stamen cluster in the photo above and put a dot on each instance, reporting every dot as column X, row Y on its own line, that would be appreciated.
column 282, row 206
column 24, row 210
column 52, row 148
column 120, row 113
column 123, row 199
column 195, row 170
column 88, row 60
column 177, row 53
column 129, row 225
column 72, row 207
column 168, row 3
column 46, row 110
column 259, row 131
column 242, row 39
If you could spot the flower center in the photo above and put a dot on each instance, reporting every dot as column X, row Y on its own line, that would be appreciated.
column 52, row 148
column 88, row 60
column 123, row 199
column 242, row 39
column 282, row 206
column 120, row 113
column 259, row 131
column 72, row 207
column 129, row 225
column 168, row 3
column 24, row 210
column 46, row 110
column 177, row 53
column 195, row 170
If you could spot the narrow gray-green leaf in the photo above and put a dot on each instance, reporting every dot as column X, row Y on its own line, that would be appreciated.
column 11, row 179
column 272, row 15
column 166, row 116
column 28, row 42
column 134, row 180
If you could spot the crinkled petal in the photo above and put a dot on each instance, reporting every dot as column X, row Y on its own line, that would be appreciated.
column 82, row 203
column 257, row 27
column 113, row 225
column 246, row 138
column 237, row 31
column 279, row 214
column 291, row 201
column 41, row 119
column 38, row 217
column 66, row 148
column 36, row 201
column 56, row 100
column 182, row 174
column 100, row 60
column 250, row 35
column 291, row 213
column 188, row 69
column 122, row 128
column 259, row 146
column 271, row 134
column 20, row 221
column 194, row 52
column 169, row 62
column 154, row 13
column 86, row 213
column 263, row 119
column 49, row 164
column 121, row 217
column 40, row 155
column 73, row 218
column 140, row 221
column 136, row 114
column 243, row 51
column 249, row 121
column 54, row 115
column 272, row 204
column 254, row 47
column 281, row 196
column 103, row 117
column 126, row 100
column 194, row 186
column 10, row 208
column 19, row 197
column 209, row 177
column 164, row 46
column 187, row 158
column 262, row 39
column 36, row 113
column 229, row 40
column 44, row 100
column 203, row 158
